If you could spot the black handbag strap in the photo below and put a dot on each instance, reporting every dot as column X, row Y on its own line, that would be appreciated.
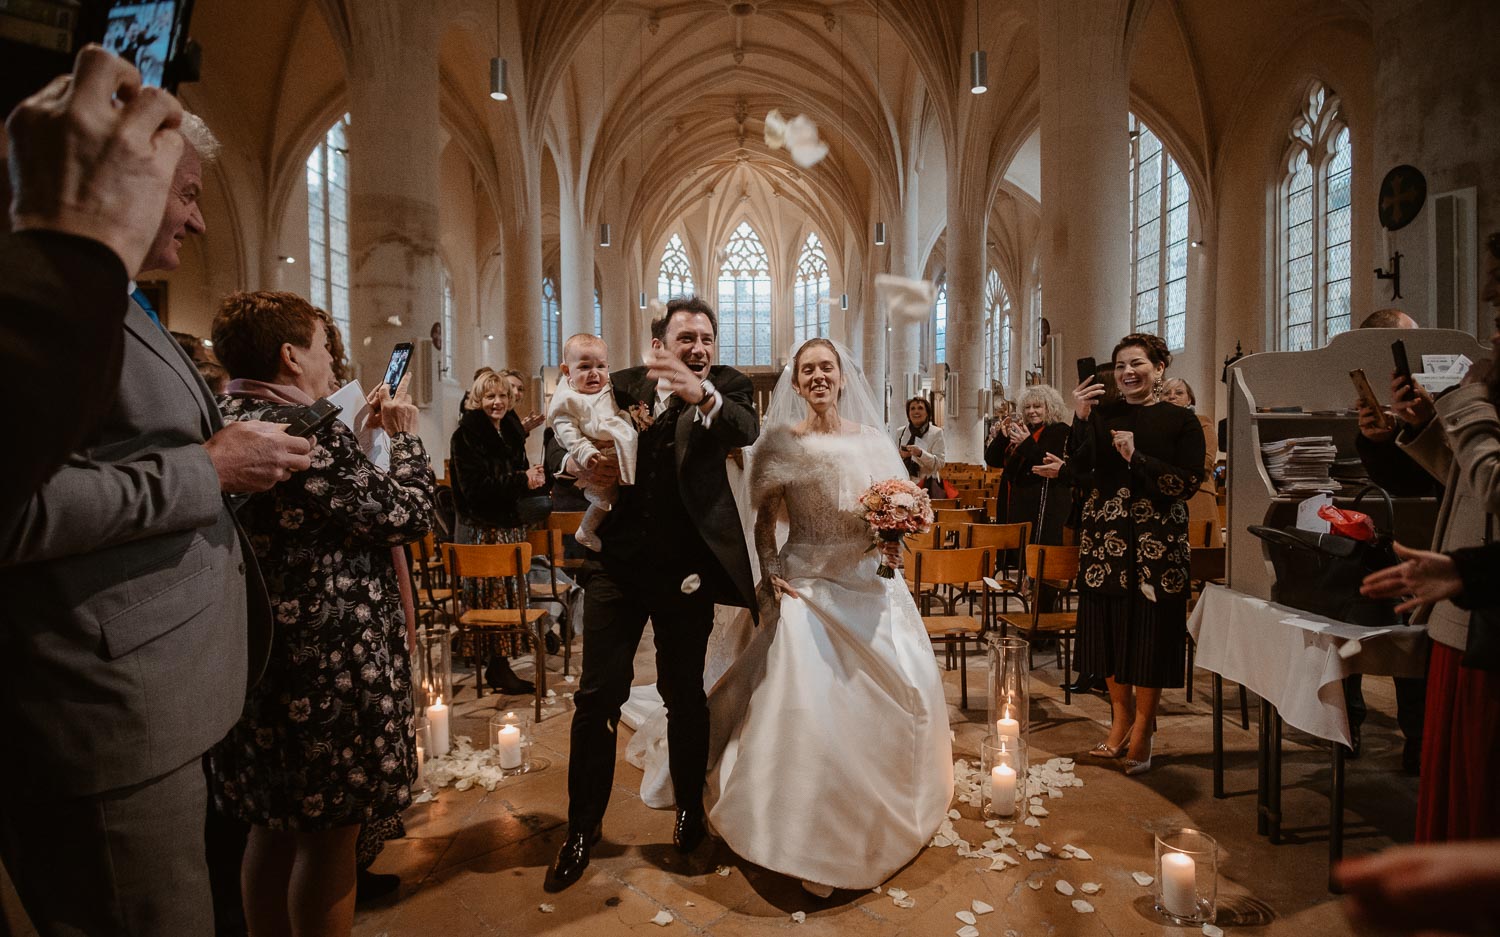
column 1390, row 508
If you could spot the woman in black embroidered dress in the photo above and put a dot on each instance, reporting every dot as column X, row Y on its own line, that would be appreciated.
column 1138, row 461
column 325, row 740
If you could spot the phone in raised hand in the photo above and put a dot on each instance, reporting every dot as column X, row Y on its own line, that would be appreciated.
column 1087, row 369
column 1367, row 397
column 395, row 369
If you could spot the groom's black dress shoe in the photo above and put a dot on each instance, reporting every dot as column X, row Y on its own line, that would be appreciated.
column 689, row 830
column 571, row 859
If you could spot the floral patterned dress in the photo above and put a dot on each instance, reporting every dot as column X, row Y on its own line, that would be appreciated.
column 325, row 739
column 1133, row 541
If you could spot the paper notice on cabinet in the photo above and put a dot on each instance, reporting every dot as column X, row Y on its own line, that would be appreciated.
column 1307, row 514
column 354, row 413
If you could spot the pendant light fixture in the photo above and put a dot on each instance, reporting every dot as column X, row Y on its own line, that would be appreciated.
column 844, row 302
column 604, row 234
column 499, row 79
column 879, row 225
column 979, row 66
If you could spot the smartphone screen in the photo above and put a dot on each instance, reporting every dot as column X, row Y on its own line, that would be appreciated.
column 1398, row 354
column 142, row 34
column 1367, row 394
column 1086, row 369
column 396, row 369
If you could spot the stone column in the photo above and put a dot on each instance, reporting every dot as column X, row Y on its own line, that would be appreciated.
column 522, row 348
column 577, row 261
column 394, row 133
column 965, row 240
column 906, row 337
column 1085, row 245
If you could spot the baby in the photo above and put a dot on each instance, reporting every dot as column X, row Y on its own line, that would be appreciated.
column 582, row 413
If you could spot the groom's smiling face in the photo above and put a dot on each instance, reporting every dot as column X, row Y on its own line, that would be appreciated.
column 691, row 339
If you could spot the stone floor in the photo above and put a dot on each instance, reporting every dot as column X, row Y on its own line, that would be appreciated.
column 473, row 861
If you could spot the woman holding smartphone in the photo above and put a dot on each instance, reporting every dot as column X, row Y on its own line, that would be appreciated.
column 1137, row 462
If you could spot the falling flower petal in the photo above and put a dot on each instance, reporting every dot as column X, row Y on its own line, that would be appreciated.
column 1082, row 907
column 905, row 300
column 966, row 916
column 980, row 907
column 691, row 584
column 775, row 130
column 1063, row 888
column 1142, row 879
column 368, row 339
column 393, row 320
column 663, row 918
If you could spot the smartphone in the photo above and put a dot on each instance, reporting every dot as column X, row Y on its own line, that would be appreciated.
column 396, row 369
column 1087, row 368
column 1398, row 352
column 1367, row 395
column 152, row 36
column 313, row 418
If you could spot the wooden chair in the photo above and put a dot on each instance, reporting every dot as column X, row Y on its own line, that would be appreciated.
column 567, row 522
column 433, row 594
column 991, row 508
column 955, row 518
column 971, row 497
column 486, row 626
column 549, row 543
column 1003, row 541
column 933, row 568
column 1048, row 565
column 945, row 504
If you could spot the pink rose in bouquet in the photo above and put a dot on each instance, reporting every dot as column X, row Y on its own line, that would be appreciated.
column 894, row 508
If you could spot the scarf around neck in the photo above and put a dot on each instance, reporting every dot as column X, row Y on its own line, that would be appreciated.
column 263, row 390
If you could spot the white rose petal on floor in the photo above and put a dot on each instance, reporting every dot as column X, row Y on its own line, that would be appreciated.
column 1063, row 887
column 1082, row 907
column 1089, row 888
column 966, row 916
column 723, row 871
column 546, row 908
column 1142, row 879
column 663, row 918
column 981, row 908
column 968, row 930
column 799, row 916
column 1210, row 930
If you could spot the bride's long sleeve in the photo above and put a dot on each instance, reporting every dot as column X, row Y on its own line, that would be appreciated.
column 765, row 535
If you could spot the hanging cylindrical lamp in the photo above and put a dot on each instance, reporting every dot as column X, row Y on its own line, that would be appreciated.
column 499, row 80
column 880, row 234
column 604, row 234
column 643, row 299
column 844, row 302
column 979, row 72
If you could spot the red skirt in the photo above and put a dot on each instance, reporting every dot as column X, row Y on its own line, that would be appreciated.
column 1459, row 794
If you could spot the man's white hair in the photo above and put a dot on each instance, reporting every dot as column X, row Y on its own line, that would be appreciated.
column 197, row 134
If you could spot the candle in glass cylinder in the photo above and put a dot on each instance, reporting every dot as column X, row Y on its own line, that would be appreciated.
column 508, row 747
column 1008, row 728
column 437, row 719
column 1179, row 887
column 1003, row 790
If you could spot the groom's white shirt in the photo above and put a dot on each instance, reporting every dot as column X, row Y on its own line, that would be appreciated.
column 698, row 414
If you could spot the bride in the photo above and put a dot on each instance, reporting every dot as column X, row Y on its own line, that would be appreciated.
column 831, row 760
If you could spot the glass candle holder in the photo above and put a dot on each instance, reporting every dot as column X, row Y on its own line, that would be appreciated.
column 1010, row 686
column 422, row 743
column 510, row 742
column 1187, row 876
column 432, row 667
column 1002, row 758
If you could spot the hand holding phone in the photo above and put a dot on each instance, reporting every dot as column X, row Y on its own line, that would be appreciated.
column 1368, row 400
column 1087, row 369
column 395, row 369
column 1403, row 365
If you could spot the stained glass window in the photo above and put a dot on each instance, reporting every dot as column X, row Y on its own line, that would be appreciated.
column 940, row 324
column 997, row 331
column 1313, row 242
column 1159, row 238
column 676, row 276
column 449, row 323
column 745, row 300
column 328, row 224
column 551, row 324
column 810, row 293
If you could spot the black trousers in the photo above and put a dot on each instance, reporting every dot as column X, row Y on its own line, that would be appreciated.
column 1411, row 704
column 616, row 606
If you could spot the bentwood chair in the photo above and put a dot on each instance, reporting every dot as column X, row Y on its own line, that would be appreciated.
column 932, row 568
column 549, row 543
column 487, row 627
column 1048, row 566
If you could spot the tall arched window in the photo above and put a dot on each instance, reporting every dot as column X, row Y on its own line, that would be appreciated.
column 1159, row 238
column 551, row 324
column 1035, row 339
column 745, row 300
column 940, row 324
column 1313, row 233
column 676, row 276
column 449, row 323
column 598, row 313
column 328, row 224
column 997, row 331
column 809, row 309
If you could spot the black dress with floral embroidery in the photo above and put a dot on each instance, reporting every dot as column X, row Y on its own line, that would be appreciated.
column 1133, row 540
column 325, row 739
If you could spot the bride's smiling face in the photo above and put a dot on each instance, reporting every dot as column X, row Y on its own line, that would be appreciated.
column 819, row 378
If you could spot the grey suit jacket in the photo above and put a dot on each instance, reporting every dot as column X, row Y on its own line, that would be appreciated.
column 125, row 628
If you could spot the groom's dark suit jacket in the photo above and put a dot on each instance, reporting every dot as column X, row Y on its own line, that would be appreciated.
column 702, row 483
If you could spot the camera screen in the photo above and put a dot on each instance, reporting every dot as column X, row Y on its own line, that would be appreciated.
column 397, row 368
column 141, row 33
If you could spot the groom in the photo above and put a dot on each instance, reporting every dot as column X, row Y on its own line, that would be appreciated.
column 672, row 548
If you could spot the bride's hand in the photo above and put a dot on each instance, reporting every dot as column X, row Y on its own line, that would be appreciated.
column 779, row 588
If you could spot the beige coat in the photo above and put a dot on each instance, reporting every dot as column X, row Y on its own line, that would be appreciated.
column 1461, row 448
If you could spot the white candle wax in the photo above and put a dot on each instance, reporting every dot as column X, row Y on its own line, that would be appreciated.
column 508, row 747
column 1003, row 790
column 1179, row 887
column 437, row 722
column 1008, row 728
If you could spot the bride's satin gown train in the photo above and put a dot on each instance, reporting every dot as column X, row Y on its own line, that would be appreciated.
column 831, row 759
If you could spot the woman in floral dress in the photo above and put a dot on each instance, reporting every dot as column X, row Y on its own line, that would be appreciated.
column 1139, row 461
column 325, row 741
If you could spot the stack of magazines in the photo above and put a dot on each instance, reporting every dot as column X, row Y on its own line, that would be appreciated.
column 1300, row 466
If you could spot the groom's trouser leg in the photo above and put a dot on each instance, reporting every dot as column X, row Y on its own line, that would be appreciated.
column 613, row 619
column 681, row 625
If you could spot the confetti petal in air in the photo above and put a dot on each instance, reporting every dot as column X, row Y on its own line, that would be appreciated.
column 775, row 130
column 393, row 320
column 802, row 142
column 691, row 584
column 905, row 299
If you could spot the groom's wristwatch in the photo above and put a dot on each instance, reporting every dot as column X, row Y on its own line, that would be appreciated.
column 707, row 387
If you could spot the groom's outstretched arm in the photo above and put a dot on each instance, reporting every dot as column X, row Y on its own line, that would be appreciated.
column 735, row 425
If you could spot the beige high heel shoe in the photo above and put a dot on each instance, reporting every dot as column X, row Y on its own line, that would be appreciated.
column 1103, row 750
column 1133, row 767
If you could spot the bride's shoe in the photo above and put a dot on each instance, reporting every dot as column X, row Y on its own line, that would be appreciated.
column 1133, row 767
column 817, row 890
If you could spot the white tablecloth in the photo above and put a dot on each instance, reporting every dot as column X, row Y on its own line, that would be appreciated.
column 1296, row 659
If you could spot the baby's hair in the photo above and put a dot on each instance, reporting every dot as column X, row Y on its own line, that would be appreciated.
column 583, row 339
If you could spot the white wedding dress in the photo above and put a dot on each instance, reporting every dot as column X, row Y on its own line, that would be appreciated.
column 831, row 759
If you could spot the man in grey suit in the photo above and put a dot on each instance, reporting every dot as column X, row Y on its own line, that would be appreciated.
column 132, row 618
